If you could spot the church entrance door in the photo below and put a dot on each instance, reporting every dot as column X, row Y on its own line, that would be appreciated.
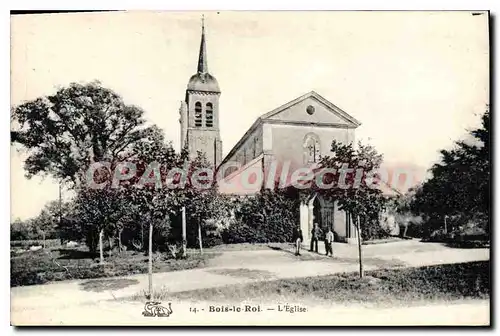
column 318, row 218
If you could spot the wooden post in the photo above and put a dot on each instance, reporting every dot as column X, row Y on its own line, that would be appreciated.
column 360, row 250
column 199, row 236
column 150, row 262
column 184, row 239
column 101, row 250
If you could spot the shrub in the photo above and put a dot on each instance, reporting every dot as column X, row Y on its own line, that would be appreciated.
column 439, row 236
column 239, row 232
column 212, row 239
column 269, row 216
column 372, row 229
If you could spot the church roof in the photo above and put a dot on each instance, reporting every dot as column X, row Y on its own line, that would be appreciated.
column 202, row 80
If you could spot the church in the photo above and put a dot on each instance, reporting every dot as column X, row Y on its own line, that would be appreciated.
column 295, row 134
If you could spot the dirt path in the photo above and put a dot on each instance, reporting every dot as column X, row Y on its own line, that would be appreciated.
column 54, row 301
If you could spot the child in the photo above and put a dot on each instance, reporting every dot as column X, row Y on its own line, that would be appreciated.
column 329, row 242
column 297, row 239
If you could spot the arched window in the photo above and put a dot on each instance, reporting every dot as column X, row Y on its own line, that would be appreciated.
column 197, row 114
column 209, row 116
column 312, row 148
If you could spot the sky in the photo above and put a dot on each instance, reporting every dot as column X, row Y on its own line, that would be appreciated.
column 417, row 81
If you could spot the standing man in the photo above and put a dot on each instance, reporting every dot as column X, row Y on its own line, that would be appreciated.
column 315, row 235
column 329, row 242
column 297, row 239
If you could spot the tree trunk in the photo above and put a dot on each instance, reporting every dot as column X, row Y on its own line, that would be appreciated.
column 184, row 239
column 110, row 243
column 406, row 229
column 43, row 238
column 360, row 251
column 199, row 237
column 101, row 251
column 142, row 236
column 120, row 246
column 150, row 262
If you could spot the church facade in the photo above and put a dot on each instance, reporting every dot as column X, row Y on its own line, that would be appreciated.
column 294, row 135
column 290, row 137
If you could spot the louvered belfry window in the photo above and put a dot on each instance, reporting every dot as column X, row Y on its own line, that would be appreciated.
column 209, row 121
column 197, row 114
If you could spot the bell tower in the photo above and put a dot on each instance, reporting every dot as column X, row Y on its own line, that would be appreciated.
column 200, row 111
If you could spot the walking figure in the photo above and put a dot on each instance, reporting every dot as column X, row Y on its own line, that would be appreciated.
column 315, row 236
column 329, row 237
column 297, row 239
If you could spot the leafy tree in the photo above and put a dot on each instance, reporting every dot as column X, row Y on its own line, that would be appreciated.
column 148, row 188
column 363, row 201
column 405, row 218
column 97, row 210
column 44, row 224
column 205, row 207
column 22, row 230
column 80, row 124
column 460, row 184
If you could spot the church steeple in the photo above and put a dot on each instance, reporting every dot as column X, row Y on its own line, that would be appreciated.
column 203, row 80
column 200, row 111
column 202, row 59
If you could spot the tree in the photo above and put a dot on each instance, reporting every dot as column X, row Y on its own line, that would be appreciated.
column 80, row 124
column 22, row 229
column 404, row 214
column 148, row 188
column 44, row 224
column 205, row 207
column 460, row 184
column 97, row 210
column 364, row 202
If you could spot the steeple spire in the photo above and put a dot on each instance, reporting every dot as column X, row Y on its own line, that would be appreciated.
column 202, row 59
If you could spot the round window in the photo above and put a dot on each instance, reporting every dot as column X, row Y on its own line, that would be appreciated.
column 310, row 109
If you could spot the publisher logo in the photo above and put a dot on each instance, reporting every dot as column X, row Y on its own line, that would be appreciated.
column 155, row 309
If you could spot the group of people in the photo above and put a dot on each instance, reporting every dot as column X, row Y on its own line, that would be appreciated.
column 316, row 236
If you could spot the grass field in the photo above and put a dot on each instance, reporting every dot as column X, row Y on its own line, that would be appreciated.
column 382, row 287
column 56, row 264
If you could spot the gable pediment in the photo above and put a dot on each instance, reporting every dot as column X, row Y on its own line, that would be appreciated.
column 311, row 109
